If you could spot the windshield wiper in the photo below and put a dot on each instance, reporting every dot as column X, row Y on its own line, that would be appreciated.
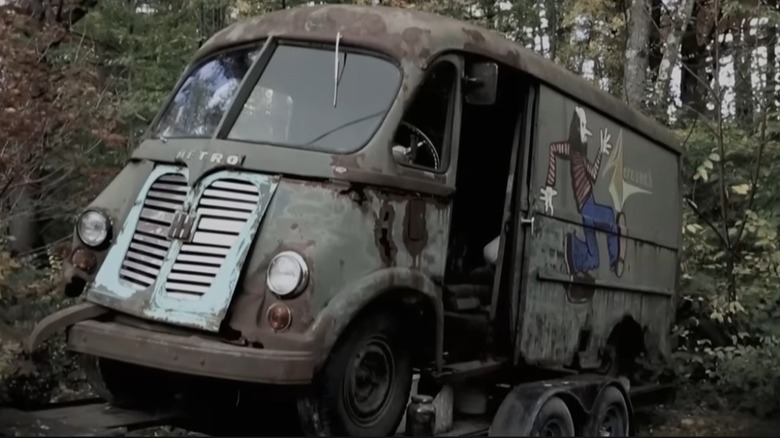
column 336, row 70
column 345, row 125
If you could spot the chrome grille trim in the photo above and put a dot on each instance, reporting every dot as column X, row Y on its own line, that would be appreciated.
column 149, row 246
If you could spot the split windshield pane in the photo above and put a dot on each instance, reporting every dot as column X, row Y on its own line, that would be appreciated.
column 206, row 95
column 293, row 105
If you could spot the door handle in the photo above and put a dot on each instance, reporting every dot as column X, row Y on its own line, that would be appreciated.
column 528, row 222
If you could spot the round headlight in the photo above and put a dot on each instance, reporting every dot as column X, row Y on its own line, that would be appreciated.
column 93, row 228
column 287, row 274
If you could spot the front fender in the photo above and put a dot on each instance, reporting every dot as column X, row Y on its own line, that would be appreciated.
column 342, row 309
column 61, row 320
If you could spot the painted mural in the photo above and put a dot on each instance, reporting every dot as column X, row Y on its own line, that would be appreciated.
column 581, row 248
column 606, row 200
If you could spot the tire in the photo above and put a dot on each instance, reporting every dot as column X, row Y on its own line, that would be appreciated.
column 610, row 414
column 124, row 384
column 339, row 403
column 553, row 419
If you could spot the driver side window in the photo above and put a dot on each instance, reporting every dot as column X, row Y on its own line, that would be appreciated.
column 423, row 133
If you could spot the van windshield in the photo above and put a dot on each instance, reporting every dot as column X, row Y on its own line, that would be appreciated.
column 206, row 94
column 292, row 104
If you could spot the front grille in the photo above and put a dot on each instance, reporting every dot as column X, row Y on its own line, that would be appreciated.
column 149, row 244
column 221, row 214
column 223, row 209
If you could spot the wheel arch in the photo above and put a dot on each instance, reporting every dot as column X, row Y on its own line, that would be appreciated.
column 627, row 339
column 399, row 289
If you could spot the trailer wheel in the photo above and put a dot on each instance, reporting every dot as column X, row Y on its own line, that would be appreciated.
column 364, row 387
column 124, row 384
column 553, row 419
column 610, row 414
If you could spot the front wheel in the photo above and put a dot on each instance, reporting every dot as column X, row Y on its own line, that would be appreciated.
column 364, row 387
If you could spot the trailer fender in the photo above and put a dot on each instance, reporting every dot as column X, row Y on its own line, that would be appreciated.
column 516, row 414
column 61, row 320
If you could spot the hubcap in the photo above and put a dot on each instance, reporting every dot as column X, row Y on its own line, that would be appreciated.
column 553, row 427
column 369, row 381
column 613, row 423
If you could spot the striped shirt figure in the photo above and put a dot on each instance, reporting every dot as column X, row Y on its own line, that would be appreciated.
column 582, row 255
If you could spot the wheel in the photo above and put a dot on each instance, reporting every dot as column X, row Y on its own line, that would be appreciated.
column 364, row 387
column 610, row 414
column 124, row 384
column 554, row 419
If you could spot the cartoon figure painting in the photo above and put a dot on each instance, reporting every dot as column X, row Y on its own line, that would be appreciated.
column 582, row 254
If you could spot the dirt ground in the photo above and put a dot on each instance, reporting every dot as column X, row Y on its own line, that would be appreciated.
column 681, row 420
column 664, row 420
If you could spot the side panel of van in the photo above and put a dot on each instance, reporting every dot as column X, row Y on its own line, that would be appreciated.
column 605, row 239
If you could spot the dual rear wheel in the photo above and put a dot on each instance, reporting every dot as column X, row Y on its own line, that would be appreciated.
column 610, row 417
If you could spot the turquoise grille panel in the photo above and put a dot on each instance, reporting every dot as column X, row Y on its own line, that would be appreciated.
column 185, row 279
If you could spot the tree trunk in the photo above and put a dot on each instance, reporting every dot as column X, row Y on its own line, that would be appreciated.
column 670, row 56
column 551, row 13
column 771, row 69
column 654, row 57
column 23, row 225
column 635, row 61
column 743, row 87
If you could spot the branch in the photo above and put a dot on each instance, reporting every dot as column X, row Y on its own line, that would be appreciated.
column 709, row 223
column 754, row 179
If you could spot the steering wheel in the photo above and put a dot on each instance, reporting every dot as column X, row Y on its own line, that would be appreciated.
column 411, row 151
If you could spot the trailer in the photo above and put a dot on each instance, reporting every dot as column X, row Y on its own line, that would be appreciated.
column 96, row 417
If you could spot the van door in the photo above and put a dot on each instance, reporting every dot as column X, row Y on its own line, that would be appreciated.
column 522, row 221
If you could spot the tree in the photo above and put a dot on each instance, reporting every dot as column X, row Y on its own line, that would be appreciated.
column 636, row 53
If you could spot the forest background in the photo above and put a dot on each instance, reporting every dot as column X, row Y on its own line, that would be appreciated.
column 81, row 79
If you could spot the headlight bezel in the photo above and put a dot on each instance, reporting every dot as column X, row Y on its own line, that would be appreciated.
column 303, row 274
column 108, row 229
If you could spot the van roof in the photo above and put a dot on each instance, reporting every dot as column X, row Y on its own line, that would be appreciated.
column 418, row 37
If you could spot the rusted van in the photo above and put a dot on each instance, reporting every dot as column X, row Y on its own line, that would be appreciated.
column 336, row 198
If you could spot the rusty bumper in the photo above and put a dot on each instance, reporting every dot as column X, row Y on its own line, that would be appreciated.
column 61, row 320
column 190, row 354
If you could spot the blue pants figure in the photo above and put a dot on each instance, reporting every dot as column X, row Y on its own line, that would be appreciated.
column 584, row 255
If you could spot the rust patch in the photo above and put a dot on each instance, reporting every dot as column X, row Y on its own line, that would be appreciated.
column 414, row 40
column 357, row 193
column 415, row 229
column 383, row 234
column 474, row 36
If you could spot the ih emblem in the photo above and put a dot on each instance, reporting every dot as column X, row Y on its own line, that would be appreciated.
column 181, row 226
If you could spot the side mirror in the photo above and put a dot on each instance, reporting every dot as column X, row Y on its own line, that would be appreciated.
column 481, row 83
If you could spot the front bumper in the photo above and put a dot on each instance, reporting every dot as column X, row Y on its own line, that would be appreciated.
column 190, row 354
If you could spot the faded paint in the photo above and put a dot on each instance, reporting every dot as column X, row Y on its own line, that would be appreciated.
column 417, row 37
column 368, row 227
column 637, row 180
column 155, row 302
column 349, row 242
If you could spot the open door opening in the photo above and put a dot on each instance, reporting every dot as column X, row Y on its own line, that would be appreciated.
column 487, row 140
